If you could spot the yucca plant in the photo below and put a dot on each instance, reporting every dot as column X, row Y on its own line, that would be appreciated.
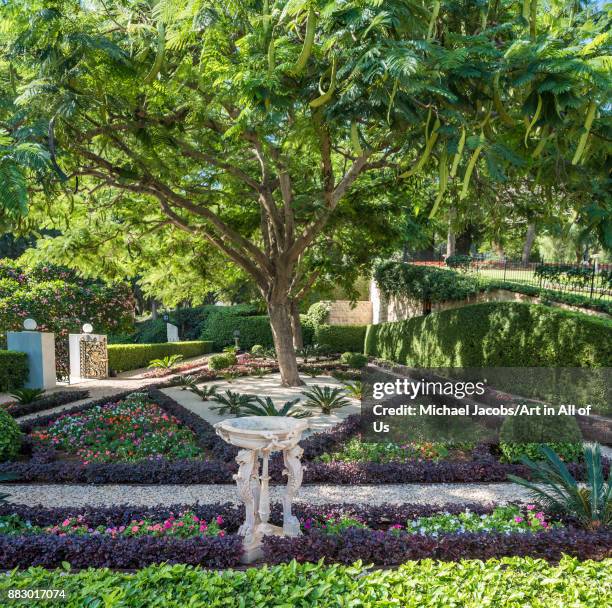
column 265, row 407
column 27, row 395
column 206, row 393
column 166, row 362
column 356, row 389
column 555, row 489
column 232, row 403
column 325, row 398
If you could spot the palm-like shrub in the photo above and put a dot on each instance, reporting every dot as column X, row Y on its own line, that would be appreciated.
column 27, row 395
column 186, row 382
column 232, row 403
column 554, row 487
column 166, row 362
column 325, row 398
column 206, row 393
column 357, row 389
column 265, row 407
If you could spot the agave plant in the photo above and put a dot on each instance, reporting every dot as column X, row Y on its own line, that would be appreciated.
column 206, row 393
column 27, row 395
column 554, row 487
column 357, row 389
column 166, row 362
column 325, row 398
column 265, row 407
column 232, row 403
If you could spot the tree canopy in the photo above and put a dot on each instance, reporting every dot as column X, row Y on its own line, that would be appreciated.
column 252, row 126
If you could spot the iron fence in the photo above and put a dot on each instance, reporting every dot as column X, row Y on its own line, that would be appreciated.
column 589, row 279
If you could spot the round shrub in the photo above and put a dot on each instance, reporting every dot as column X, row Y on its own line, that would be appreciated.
column 354, row 360
column 222, row 361
column 257, row 350
column 524, row 435
column 10, row 436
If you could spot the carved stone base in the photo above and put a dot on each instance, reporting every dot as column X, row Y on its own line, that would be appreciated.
column 253, row 550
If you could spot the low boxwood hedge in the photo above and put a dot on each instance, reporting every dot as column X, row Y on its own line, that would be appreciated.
column 13, row 369
column 341, row 338
column 125, row 357
column 511, row 582
column 495, row 334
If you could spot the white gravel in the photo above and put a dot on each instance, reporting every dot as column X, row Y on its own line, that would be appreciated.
column 51, row 495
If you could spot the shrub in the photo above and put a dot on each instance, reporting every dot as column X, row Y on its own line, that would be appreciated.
column 460, row 261
column 222, row 361
column 354, row 360
column 13, row 370
column 495, row 334
column 253, row 330
column 424, row 282
column 341, row 338
column 523, row 435
column 124, row 357
column 325, row 398
column 10, row 436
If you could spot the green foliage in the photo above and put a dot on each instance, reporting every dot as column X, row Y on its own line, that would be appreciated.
column 318, row 313
column 524, row 435
column 356, row 389
column 461, row 262
column 223, row 361
column 341, row 338
column 495, row 334
column 554, row 487
column 10, row 436
column 27, row 395
column 264, row 406
column 257, row 350
column 325, row 398
column 354, row 360
column 423, row 282
column 253, row 330
column 511, row 582
column 231, row 403
column 167, row 362
column 14, row 369
column 206, row 393
column 124, row 357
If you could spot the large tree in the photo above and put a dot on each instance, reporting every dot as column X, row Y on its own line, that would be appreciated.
column 246, row 124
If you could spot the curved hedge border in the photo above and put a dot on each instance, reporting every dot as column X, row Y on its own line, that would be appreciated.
column 392, row 548
column 98, row 551
column 495, row 334
column 45, row 403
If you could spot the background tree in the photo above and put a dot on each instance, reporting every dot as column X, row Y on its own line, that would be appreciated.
column 247, row 124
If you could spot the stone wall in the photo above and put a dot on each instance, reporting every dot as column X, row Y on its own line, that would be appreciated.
column 343, row 312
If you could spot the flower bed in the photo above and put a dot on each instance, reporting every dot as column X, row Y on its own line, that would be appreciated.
column 128, row 430
column 16, row 409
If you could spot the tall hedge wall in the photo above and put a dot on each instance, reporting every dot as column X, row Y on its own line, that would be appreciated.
column 13, row 369
column 125, row 357
column 253, row 330
column 503, row 334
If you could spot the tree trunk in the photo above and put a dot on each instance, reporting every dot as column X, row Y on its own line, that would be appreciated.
column 153, row 309
column 296, row 326
column 280, row 320
column 450, row 239
column 529, row 240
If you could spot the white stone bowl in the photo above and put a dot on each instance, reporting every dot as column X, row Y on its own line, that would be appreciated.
column 262, row 432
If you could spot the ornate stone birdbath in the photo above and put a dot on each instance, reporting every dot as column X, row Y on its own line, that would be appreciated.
column 258, row 437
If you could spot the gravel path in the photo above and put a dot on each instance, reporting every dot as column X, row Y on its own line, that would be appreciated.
column 75, row 495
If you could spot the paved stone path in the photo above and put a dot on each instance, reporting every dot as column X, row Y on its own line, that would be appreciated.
column 75, row 495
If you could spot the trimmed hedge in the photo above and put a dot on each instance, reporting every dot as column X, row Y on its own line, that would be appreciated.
column 253, row 330
column 495, row 334
column 512, row 582
column 125, row 357
column 14, row 369
column 341, row 338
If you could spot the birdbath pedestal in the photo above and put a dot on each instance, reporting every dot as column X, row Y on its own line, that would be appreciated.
column 258, row 437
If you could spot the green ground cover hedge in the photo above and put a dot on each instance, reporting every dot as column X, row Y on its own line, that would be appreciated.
column 125, row 357
column 341, row 338
column 510, row 582
column 502, row 334
column 13, row 369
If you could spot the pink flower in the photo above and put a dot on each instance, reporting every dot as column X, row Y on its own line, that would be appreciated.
column 518, row 519
column 135, row 529
column 539, row 515
column 530, row 507
column 66, row 523
column 167, row 525
column 219, row 519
